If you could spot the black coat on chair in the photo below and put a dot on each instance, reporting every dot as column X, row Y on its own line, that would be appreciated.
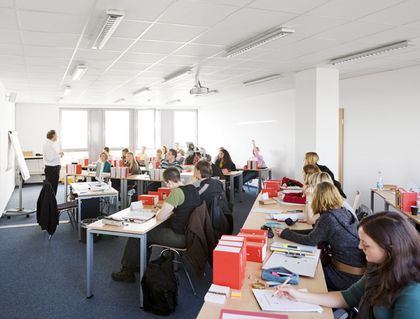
column 46, row 209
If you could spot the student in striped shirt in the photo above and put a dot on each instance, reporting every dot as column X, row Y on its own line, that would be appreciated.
column 170, row 161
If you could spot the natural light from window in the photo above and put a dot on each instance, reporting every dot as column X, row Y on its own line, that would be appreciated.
column 146, row 129
column 117, row 129
column 74, row 129
column 185, row 127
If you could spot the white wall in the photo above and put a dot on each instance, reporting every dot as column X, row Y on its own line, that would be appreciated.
column 7, row 172
column 269, row 119
column 33, row 121
column 382, row 129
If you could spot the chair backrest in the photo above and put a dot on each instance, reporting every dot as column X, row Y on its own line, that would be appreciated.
column 356, row 202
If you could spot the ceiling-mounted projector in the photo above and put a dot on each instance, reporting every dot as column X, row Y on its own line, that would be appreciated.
column 199, row 90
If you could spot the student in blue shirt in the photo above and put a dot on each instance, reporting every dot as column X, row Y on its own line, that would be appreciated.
column 390, row 288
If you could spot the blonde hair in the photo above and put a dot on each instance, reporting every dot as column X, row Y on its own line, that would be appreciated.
column 105, row 154
column 311, row 158
column 326, row 197
column 132, row 162
column 309, row 170
column 316, row 178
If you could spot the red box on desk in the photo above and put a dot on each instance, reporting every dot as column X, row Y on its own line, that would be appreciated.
column 164, row 192
column 149, row 199
column 273, row 184
column 230, row 240
column 271, row 192
column 256, row 244
column 228, row 266
column 405, row 199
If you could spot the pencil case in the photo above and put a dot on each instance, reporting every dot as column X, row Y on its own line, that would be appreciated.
column 279, row 274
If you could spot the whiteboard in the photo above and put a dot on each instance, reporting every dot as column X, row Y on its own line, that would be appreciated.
column 23, row 168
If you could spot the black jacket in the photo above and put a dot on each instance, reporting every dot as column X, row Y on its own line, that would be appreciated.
column 216, row 171
column 337, row 184
column 208, row 189
column 46, row 209
column 229, row 165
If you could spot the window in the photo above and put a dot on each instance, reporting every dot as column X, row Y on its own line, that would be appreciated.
column 185, row 127
column 146, row 129
column 73, row 157
column 74, row 129
column 117, row 129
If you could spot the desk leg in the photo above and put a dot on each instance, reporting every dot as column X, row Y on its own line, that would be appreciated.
column 123, row 193
column 241, row 182
column 89, row 263
column 231, row 188
column 79, row 217
column 65, row 188
column 270, row 174
column 386, row 206
column 259, row 181
column 143, row 263
column 372, row 201
column 139, row 187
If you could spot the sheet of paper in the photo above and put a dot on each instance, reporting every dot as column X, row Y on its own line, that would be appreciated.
column 284, row 216
column 268, row 302
column 138, row 214
column 267, row 210
column 303, row 266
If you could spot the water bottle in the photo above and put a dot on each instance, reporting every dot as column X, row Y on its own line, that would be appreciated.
column 380, row 183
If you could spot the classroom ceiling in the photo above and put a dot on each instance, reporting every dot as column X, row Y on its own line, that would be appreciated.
column 42, row 41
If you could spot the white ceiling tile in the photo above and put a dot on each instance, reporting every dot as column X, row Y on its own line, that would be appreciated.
column 12, row 68
column 233, row 29
column 97, row 54
column 145, row 10
column 8, row 19
column 44, row 61
column 403, row 13
column 81, row 7
column 47, row 52
column 160, row 47
column 391, row 35
column 297, row 6
column 11, row 50
column 7, row 3
column 130, row 29
column 51, row 22
column 306, row 26
column 170, row 32
column 118, row 44
column 196, row 13
column 200, row 50
column 180, row 60
column 49, row 39
column 9, row 36
column 351, row 10
column 148, row 58
column 415, row 24
column 352, row 31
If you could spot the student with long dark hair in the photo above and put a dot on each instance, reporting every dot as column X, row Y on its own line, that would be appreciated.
column 224, row 161
column 390, row 288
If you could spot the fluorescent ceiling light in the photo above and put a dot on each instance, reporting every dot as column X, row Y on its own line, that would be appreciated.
column 78, row 72
column 60, row 100
column 173, row 101
column 119, row 100
column 258, row 40
column 370, row 52
column 113, row 19
column 177, row 74
column 140, row 91
column 67, row 90
column 262, row 79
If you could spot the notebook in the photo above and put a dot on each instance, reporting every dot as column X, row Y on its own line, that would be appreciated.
column 271, row 303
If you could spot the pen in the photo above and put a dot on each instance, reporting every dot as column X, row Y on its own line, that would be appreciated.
column 278, row 274
column 281, row 286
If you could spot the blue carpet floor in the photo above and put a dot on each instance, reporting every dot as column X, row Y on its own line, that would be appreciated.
column 41, row 278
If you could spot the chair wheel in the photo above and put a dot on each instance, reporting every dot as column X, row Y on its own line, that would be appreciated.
column 27, row 216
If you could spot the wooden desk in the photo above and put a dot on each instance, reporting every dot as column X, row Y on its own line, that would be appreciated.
column 260, row 177
column 232, row 175
column 253, row 271
column 83, row 192
column 389, row 200
column 132, row 230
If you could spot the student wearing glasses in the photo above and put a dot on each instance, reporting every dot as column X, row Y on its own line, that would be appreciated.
column 390, row 287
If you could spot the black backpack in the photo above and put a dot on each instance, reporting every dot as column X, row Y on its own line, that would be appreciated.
column 160, row 287
column 221, row 216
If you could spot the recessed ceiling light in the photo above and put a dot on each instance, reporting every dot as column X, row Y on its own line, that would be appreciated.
column 140, row 91
column 262, row 79
column 78, row 72
column 119, row 100
column 177, row 74
column 113, row 19
column 258, row 40
column 67, row 90
column 173, row 101
column 370, row 52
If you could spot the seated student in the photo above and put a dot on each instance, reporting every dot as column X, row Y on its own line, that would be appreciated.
column 179, row 204
column 313, row 158
column 390, row 288
column 124, row 152
column 194, row 157
column 215, row 170
column 300, row 198
column 131, row 163
column 164, row 151
column 105, row 164
column 170, row 161
column 336, row 229
column 142, row 157
column 106, row 151
column 250, row 175
column 224, row 162
column 159, row 155
column 180, row 157
column 208, row 187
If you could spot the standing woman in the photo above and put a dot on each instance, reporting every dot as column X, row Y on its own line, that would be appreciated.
column 390, row 288
column 52, row 159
